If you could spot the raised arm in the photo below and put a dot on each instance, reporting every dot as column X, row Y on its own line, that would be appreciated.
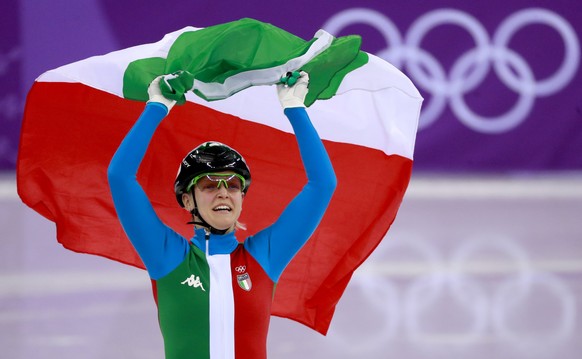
column 275, row 246
column 159, row 247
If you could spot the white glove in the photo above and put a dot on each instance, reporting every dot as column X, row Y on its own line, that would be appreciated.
column 156, row 94
column 294, row 96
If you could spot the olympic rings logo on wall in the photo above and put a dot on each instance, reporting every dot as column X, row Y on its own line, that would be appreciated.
column 486, row 295
column 470, row 69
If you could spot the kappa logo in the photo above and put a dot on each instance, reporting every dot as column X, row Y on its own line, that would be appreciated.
column 194, row 281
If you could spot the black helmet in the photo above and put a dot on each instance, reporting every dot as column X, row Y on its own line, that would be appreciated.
column 209, row 157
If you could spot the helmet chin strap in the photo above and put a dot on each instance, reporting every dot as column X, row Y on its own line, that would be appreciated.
column 196, row 214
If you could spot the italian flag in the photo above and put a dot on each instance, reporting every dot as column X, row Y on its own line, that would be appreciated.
column 365, row 110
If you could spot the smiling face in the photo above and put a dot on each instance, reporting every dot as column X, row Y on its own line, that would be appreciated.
column 219, row 200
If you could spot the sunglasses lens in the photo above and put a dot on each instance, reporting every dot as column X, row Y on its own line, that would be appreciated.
column 212, row 182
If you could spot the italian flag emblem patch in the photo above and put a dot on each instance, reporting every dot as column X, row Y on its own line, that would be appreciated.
column 244, row 281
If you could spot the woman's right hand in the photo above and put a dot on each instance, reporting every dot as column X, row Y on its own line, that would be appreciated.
column 155, row 93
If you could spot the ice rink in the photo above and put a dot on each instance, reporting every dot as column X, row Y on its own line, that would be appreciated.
column 473, row 267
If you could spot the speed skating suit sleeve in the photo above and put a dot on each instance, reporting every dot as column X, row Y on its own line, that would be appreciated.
column 276, row 245
column 160, row 248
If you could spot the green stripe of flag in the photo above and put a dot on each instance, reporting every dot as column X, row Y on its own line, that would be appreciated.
column 227, row 58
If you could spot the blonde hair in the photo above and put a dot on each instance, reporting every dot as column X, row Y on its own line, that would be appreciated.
column 241, row 226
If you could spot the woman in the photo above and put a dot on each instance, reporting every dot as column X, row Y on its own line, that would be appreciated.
column 213, row 293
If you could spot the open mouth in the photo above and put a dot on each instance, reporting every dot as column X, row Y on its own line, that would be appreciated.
column 222, row 208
